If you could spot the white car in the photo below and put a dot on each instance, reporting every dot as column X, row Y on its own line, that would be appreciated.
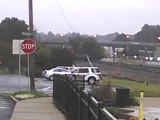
column 70, row 68
column 48, row 74
column 91, row 74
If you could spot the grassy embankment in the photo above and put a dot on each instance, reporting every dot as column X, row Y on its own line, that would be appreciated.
column 150, row 89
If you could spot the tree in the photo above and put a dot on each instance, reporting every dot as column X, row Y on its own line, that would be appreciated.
column 148, row 33
column 93, row 49
column 12, row 28
column 61, row 57
column 122, row 38
column 86, row 46
column 8, row 59
column 76, row 43
column 42, row 57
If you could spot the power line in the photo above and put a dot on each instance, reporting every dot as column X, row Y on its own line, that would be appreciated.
column 65, row 18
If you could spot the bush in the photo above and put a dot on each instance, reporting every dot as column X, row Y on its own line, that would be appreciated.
column 104, row 93
column 133, row 101
column 22, row 95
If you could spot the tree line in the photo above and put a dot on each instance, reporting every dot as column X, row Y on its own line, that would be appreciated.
column 45, row 57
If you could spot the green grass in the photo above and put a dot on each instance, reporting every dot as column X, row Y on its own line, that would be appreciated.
column 22, row 95
column 152, row 90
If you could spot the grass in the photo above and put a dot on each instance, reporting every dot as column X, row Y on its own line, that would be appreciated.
column 22, row 95
column 150, row 90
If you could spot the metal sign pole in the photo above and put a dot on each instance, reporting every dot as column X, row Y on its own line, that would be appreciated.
column 19, row 66
column 28, row 73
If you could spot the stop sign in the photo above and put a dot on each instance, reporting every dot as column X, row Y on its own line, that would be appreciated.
column 28, row 46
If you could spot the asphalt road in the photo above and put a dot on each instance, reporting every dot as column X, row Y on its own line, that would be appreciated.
column 11, row 83
column 6, row 107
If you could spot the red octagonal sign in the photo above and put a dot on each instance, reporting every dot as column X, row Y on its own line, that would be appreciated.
column 28, row 46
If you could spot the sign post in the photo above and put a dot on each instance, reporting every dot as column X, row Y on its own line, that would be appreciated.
column 28, row 46
column 20, row 47
column 16, row 50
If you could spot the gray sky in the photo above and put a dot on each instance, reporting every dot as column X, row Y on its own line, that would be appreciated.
column 86, row 16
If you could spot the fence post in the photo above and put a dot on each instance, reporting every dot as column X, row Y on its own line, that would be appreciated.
column 79, row 105
column 89, row 97
column 100, row 105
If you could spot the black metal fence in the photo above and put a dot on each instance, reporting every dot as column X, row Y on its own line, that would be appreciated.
column 77, row 104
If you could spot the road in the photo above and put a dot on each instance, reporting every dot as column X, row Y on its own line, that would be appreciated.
column 12, row 83
column 43, row 85
column 6, row 107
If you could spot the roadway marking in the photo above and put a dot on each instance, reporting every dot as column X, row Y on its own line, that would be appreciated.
column 3, row 107
column 3, row 103
column 47, row 90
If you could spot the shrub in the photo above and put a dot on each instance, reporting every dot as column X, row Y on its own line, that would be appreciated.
column 104, row 93
column 22, row 95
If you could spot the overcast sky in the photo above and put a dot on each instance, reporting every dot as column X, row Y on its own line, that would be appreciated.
column 85, row 16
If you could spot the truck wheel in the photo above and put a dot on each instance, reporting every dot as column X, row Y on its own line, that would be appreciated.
column 91, row 80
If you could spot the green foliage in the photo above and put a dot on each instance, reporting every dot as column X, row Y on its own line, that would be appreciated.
column 122, row 38
column 42, row 60
column 22, row 95
column 60, row 56
column 77, row 44
column 104, row 93
column 135, row 86
column 93, row 49
column 148, row 33
column 42, row 57
column 10, row 28
column 7, row 58
column 133, row 101
column 87, row 46
column 4, row 71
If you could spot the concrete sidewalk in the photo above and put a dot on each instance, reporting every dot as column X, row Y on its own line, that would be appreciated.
column 151, row 108
column 36, row 109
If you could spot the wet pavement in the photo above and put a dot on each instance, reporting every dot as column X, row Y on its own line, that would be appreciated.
column 151, row 108
column 36, row 109
column 6, row 107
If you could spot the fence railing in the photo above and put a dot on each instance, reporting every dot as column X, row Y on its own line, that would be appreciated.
column 77, row 104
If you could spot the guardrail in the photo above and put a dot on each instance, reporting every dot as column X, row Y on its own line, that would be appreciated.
column 77, row 104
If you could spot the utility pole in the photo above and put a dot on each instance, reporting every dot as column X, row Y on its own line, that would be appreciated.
column 31, row 58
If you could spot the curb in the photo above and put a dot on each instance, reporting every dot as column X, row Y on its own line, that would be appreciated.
column 14, row 99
